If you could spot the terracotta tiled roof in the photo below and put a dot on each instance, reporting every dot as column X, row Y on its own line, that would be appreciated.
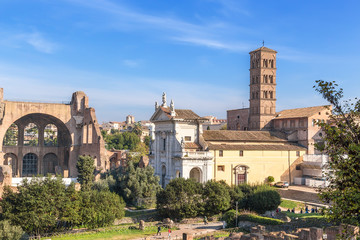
column 187, row 114
column 300, row 112
column 264, row 147
column 192, row 145
column 264, row 49
column 244, row 136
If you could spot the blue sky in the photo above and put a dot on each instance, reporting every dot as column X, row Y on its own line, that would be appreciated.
column 123, row 54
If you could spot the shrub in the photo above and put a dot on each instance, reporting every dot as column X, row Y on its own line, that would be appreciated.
column 242, row 193
column 230, row 218
column 236, row 195
column 39, row 205
column 182, row 198
column 10, row 232
column 216, row 197
column 259, row 219
column 264, row 199
column 99, row 209
column 270, row 179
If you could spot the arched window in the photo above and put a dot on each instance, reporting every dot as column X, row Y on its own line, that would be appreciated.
column 11, row 160
column 178, row 174
column 50, row 136
column 50, row 161
column 11, row 136
column 195, row 174
column 271, row 77
column 31, row 135
column 29, row 167
column 240, row 172
column 271, row 94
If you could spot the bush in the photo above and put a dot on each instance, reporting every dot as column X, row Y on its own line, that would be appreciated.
column 264, row 199
column 182, row 198
column 270, row 179
column 39, row 205
column 137, row 186
column 9, row 232
column 230, row 218
column 259, row 219
column 216, row 197
column 99, row 209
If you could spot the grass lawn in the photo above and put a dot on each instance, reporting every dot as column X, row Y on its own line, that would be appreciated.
column 304, row 215
column 110, row 233
column 288, row 204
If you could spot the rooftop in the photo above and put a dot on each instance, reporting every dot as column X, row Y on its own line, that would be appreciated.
column 301, row 112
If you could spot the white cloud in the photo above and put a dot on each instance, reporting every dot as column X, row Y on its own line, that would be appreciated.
column 131, row 63
column 37, row 41
column 211, row 35
column 34, row 39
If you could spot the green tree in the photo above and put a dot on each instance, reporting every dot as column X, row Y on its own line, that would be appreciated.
column 100, row 208
column 264, row 198
column 11, row 136
column 39, row 206
column 85, row 167
column 137, row 129
column 138, row 186
column 342, row 137
column 121, row 141
column 10, row 232
column 182, row 198
column 216, row 196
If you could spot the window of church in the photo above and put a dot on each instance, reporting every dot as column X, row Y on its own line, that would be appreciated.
column 221, row 168
column 271, row 94
column 188, row 138
column 241, row 153
column 164, row 144
column 221, row 153
column 271, row 78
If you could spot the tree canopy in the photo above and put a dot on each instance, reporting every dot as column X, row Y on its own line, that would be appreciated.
column 342, row 138
column 85, row 167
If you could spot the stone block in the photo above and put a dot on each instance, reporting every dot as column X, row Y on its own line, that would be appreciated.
column 187, row 236
column 331, row 233
column 316, row 233
column 256, row 236
column 304, row 234
column 142, row 225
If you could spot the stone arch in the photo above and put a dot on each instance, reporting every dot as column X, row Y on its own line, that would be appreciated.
column 240, row 172
column 29, row 165
column 50, row 162
column 11, row 160
column 61, row 149
column 196, row 174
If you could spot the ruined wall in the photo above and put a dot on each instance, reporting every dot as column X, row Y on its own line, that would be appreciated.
column 76, row 121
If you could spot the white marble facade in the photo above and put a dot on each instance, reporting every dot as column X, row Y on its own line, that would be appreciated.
column 176, row 149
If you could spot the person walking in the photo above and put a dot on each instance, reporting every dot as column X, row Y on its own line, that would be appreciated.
column 169, row 231
column 159, row 230
column 205, row 220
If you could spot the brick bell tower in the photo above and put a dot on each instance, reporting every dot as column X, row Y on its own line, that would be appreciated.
column 262, row 88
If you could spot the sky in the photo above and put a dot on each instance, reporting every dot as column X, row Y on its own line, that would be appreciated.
column 124, row 54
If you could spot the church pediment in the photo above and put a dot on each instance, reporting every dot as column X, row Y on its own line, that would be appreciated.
column 160, row 115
